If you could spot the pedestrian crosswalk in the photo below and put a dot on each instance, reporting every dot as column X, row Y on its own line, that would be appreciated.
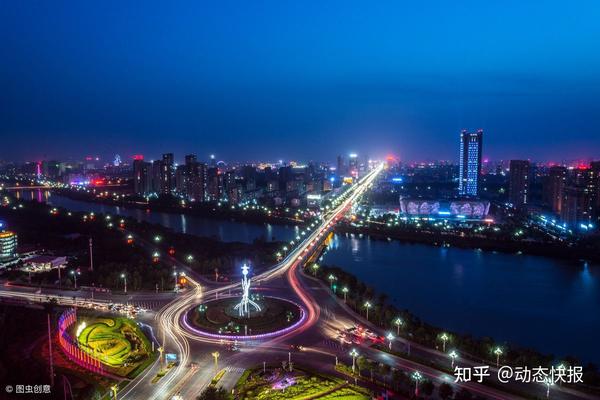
column 149, row 305
column 332, row 344
column 237, row 370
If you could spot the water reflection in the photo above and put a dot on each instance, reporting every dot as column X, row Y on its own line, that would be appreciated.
column 226, row 230
column 551, row 305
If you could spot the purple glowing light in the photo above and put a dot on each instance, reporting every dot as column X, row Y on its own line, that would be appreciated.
column 290, row 328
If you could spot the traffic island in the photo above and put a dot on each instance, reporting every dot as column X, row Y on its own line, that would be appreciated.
column 222, row 320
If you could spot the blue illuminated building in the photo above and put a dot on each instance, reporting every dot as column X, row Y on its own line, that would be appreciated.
column 470, row 163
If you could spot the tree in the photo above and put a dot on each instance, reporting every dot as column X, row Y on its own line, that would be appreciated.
column 371, row 365
column 445, row 391
column 362, row 363
column 212, row 393
column 427, row 388
column 463, row 394
column 384, row 369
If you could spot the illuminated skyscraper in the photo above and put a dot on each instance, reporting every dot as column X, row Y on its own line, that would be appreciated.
column 576, row 206
column 470, row 163
column 554, row 184
column 142, row 176
column 518, row 190
column 595, row 189
column 167, row 173
column 195, row 178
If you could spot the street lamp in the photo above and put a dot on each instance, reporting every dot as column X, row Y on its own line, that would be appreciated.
column 367, row 306
column 498, row 353
column 114, row 389
column 124, row 277
column 354, row 354
column 315, row 267
column 398, row 322
column 331, row 279
column 216, row 357
column 390, row 337
column 175, row 275
column 444, row 338
column 345, row 291
column 453, row 355
column 548, row 382
column 190, row 258
column 417, row 377
column 75, row 273
column 157, row 238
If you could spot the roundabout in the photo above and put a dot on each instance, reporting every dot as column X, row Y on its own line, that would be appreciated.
column 248, row 317
column 220, row 319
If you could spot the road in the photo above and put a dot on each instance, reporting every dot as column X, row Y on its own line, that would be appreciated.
column 326, row 315
column 177, row 339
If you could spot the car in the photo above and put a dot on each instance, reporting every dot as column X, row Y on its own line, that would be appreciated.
column 297, row 347
column 345, row 340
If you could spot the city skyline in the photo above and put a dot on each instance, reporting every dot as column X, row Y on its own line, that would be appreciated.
column 279, row 87
column 306, row 200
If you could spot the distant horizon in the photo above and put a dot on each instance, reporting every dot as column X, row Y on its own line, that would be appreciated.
column 179, row 159
column 288, row 81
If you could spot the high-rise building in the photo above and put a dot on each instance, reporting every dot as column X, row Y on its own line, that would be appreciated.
column 8, row 246
column 554, row 184
column 142, row 177
column 181, row 179
column 214, row 184
column 518, row 188
column 194, row 178
column 576, row 206
column 167, row 173
column 156, row 176
column 595, row 189
column 353, row 165
column 471, row 145
column 341, row 168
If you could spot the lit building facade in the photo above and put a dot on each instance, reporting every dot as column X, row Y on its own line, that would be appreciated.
column 554, row 185
column 454, row 209
column 471, row 145
column 518, row 189
column 8, row 246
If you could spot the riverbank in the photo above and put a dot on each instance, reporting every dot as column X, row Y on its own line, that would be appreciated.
column 538, row 302
column 360, row 297
column 213, row 210
column 551, row 250
column 142, row 251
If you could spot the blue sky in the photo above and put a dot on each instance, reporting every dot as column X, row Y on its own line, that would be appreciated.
column 282, row 79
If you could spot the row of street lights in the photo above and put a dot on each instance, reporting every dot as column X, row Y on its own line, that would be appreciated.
column 416, row 375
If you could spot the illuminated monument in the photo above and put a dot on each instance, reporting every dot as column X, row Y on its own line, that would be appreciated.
column 242, row 306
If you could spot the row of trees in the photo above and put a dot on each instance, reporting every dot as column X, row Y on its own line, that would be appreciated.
column 405, row 384
column 409, row 326
column 61, row 232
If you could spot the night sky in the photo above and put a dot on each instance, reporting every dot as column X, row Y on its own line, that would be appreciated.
column 299, row 80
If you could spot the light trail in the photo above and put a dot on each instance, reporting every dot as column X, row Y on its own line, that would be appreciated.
column 169, row 318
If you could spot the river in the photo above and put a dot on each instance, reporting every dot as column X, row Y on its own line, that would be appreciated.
column 550, row 305
column 224, row 230
column 546, row 304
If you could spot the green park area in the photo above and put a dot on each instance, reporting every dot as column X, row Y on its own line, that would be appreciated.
column 117, row 342
column 277, row 383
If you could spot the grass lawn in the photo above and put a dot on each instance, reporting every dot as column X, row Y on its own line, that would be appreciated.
column 277, row 384
column 117, row 342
